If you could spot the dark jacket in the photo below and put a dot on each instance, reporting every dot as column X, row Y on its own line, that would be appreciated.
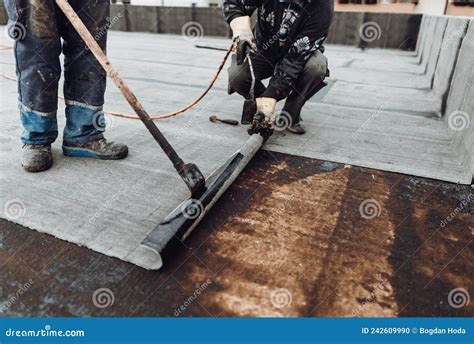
column 287, row 34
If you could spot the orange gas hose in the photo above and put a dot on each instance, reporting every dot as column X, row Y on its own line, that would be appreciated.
column 156, row 117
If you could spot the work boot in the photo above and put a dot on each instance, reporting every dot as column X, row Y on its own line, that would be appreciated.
column 297, row 129
column 99, row 149
column 36, row 158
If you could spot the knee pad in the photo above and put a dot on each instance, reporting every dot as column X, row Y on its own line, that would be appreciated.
column 317, row 66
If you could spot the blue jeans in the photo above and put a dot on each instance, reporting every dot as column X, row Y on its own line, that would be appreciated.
column 38, row 27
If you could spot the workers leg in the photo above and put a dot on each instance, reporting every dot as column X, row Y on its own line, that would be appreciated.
column 84, row 86
column 85, row 79
column 307, row 85
column 33, row 26
column 240, row 78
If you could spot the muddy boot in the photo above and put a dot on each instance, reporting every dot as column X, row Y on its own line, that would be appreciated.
column 36, row 158
column 297, row 129
column 100, row 149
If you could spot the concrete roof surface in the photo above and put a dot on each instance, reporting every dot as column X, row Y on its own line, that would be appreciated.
column 290, row 224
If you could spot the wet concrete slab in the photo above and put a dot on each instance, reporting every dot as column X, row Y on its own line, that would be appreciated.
column 292, row 237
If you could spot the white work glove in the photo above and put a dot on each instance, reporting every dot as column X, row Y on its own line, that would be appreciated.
column 242, row 30
column 243, row 37
column 264, row 117
column 267, row 107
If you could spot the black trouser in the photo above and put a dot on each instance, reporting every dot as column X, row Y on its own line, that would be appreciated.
column 38, row 27
column 306, row 86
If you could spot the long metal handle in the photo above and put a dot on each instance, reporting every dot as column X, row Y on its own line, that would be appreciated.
column 252, row 74
column 127, row 92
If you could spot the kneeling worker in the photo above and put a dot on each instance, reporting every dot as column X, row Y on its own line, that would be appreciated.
column 287, row 47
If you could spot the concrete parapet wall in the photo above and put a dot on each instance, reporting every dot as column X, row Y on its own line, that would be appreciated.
column 345, row 28
column 174, row 20
column 375, row 30
column 459, row 115
column 392, row 30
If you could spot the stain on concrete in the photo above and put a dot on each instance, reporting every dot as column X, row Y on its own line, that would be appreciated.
column 433, row 251
column 277, row 243
column 354, row 279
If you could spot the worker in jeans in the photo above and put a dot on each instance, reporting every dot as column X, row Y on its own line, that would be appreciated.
column 287, row 43
column 37, row 26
